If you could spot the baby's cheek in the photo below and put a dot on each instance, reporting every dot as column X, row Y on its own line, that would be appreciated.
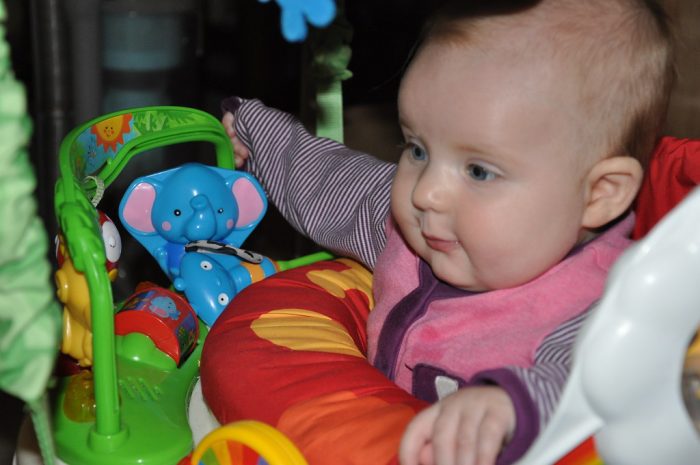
column 229, row 223
column 166, row 226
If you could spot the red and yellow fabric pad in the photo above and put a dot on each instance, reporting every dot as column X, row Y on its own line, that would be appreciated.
column 584, row 454
column 290, row 351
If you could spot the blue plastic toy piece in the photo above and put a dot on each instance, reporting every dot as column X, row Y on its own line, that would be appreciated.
column 296, row 13
column 209, row 286
column 198, row 204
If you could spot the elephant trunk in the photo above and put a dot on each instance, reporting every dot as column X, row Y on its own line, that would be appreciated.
column 202, row 225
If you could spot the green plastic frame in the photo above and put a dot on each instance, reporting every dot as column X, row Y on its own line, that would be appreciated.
column 113, row 438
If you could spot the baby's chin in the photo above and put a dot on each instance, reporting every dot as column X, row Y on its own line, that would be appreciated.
column 470, row 287
column 465, row 280
column 458, row 280
column 444, row 270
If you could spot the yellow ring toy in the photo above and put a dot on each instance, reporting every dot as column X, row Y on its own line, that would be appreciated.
column 268, row 442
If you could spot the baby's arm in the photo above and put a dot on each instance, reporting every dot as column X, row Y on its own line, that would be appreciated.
column 336, row 196
column 533, row 393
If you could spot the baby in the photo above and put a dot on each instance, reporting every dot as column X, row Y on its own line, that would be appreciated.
column 527, row 127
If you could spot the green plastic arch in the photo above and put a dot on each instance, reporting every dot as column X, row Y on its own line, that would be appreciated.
column 100, row 149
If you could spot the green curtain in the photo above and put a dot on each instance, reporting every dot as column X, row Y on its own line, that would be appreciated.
column 29, row 314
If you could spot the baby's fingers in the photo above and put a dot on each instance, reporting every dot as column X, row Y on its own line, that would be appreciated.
column 481, row 436
column 240, row 151
column 229, row 124
column 492, row 434
column 415, row 448
column 466, row 442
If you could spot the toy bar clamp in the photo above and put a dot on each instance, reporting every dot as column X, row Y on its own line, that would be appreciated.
column 215, row 247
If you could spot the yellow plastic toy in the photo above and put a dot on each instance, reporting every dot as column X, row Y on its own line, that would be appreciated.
column 72, row 291
column 246, row 443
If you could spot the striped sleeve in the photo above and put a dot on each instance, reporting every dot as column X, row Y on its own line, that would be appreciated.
column 337, row 197
column 545, row 380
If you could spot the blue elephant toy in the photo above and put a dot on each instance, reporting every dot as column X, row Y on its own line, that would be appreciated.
column 192, row 219
column 209, row 286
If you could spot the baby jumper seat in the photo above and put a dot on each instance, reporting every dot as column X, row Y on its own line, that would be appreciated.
column 290, row 350
column 132, row 406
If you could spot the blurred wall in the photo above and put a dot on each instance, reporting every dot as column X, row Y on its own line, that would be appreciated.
column 684, row 111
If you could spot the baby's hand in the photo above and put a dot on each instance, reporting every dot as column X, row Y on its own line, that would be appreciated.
column 240, row 151
column 468, row 427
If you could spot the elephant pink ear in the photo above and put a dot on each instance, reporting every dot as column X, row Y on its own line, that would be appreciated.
column 138, row 206
column 250, row 203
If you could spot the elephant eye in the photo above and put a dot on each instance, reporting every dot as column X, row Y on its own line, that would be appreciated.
column 223, row 299
column 177, row 212
column 206, row 265
column 220, row 210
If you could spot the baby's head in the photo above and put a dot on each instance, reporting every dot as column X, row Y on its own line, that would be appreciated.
column 527, row 130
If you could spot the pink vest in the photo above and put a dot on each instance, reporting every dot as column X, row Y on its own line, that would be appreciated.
column 468, row 334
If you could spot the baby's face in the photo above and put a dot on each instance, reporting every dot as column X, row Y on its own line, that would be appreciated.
column 488, row 190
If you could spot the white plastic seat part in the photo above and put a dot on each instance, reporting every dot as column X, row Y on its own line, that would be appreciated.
column 625, row 383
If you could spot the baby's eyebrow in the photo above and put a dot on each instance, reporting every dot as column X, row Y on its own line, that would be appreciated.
column 472, row 149
column 486, row 150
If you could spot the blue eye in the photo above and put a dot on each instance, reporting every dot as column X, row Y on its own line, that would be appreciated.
column 479, row 173
column 417, row 152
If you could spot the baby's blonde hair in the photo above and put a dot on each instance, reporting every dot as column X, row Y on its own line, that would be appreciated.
column 620, row 52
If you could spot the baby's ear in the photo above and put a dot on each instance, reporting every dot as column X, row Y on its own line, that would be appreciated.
column 612, row 185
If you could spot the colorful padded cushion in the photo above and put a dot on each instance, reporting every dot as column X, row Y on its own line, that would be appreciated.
column 290, row 351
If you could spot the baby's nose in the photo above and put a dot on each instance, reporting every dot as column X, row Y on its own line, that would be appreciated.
column 431, row 192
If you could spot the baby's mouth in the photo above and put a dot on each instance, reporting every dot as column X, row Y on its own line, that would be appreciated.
column 441, row 245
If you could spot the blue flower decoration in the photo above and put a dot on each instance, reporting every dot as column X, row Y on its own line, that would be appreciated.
column 296, row 13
